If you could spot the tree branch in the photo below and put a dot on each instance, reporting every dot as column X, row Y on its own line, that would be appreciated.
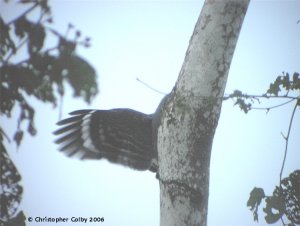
column 188, row 122
column 287, row 142
column 150, row 87
column 275, row 106
column 23, row 42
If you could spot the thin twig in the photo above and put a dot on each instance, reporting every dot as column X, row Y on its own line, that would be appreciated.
column 285, row 151
column 230, row 96
column 287, row 142
column 17, row 48
column 150, row 87
column 272, row 107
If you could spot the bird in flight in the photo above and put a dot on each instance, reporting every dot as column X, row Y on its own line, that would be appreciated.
column 123, row 136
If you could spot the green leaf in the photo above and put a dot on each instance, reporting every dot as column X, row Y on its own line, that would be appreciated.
column 246, row 107
column 290, row 187
column 36, row 36
column 36, row 33
column 18, row 137
column 43, row 63
column 45, row 7
column 82, row 77
column 22, row 26
column 256, row 195
column 66, row 48
column 274, row 87
column 296, row 81
column 33, row 82
column 31, row 129
column 6, row 43
column 285, row 81
column 237, row 93
column 274, row 208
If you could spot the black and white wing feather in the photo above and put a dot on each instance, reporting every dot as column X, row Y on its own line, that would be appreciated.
column 122, row 136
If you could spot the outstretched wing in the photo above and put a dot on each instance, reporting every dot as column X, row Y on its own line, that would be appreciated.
column 122, row 136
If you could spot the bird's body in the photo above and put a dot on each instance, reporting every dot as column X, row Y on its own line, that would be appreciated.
column 123, row 136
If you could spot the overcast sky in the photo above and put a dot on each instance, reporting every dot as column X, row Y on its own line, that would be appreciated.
column 148, row 40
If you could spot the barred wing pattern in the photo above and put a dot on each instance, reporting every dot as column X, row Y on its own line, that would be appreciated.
column 122, row 136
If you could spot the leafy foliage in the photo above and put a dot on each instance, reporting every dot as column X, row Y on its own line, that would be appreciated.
column 284, row 81
column 42, row 74
column 280, row 88
column 256, row 195
column 18, row 220
column 284, row 201
column 10, row 188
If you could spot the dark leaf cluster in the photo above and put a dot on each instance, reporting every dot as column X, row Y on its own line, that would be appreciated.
column 286, row 83
column 285, row 201
column 5, row 40
column 281, row 87
column 242, row 100
column 11, row 189
column 18, row 220
column 256, row 196
column 44, row 72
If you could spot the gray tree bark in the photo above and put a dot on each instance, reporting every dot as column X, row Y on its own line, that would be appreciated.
column 192, row 111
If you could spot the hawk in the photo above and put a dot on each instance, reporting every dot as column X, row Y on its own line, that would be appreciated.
column 123, row 136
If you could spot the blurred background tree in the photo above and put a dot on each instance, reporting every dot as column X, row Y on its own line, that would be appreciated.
column 29, row 67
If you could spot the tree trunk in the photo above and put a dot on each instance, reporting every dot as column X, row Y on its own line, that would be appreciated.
column 191, row 114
